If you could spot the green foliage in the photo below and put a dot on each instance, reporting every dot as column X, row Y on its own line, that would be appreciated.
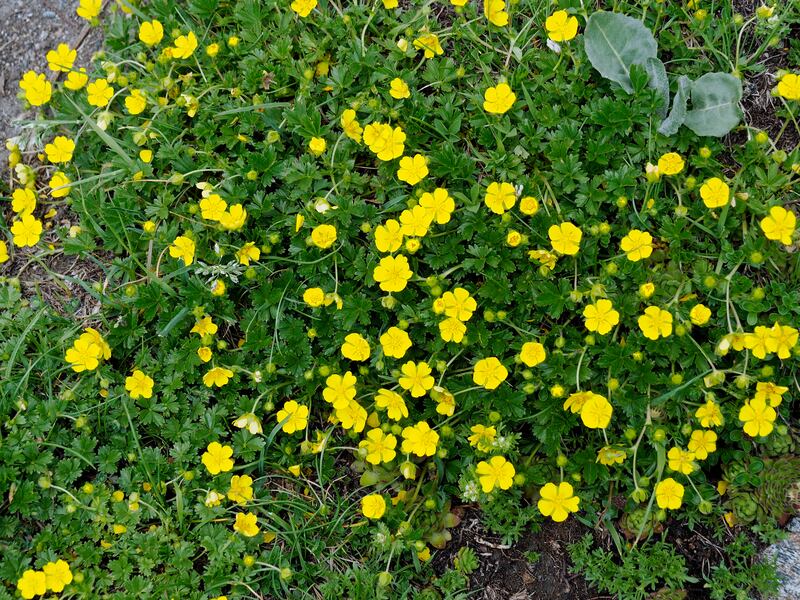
column 743, row 575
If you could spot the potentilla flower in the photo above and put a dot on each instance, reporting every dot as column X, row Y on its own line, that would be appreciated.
column 390, row 4
column 610, row 455
column 241, row 489
column 758, row 417
column 669, row 494
column 234, row 218
column 89, row 9
column 529, row 206
column 637, row 245
column 94, row 336
column 429, row 43
column 413, row 169
column 355, row 347
column 57, row 575
column 139, row 385
column 204, row 326
column 151, row 32
column 715, row 193
column 76, row 79
column 532, row 354
column 779, row 225
column 655, row 323
column 246, row 524
column 482, row 437
column 393, row 403
column 183, row 248
column 489, row 373
column 420, row 440
column 185, row 45
column 353, row 416
column 575, row 401
column 27, row 230
column 217, row 376
column 217, row 458
column 323, row 236
column 495, row 12
column 99, row 93
column 389, row 236
column 250, row 422
column 500, row 197
column 760, row 342
column 709, row 414
column 700, row 314
column 213, row 498
column 135, row 103
column 395, row 342
column 373, row 506
column 415, row 221
column 392, row 273
column 23, row 201
column 596, row 412
column 496, row 472
column 789, row 86
column 561, row 27
column 771, row 393
column 439, row 205
column 445, row 401
column 499, row 99
column 314, row 297
column 295, row 416
column 452, row 330
column 600, row 316
column 340, row 389
column 350, row 125
column 702, row 443
column 32, row 583
column 38, row 89
column 385, row 142
column 303, row 7
column 212, row 207
column 565, row 238
column 681, row 461
column 670, row 163
column 60, row 150
column 416, row 378
column 398, row 89
column 545, row 258
column 62, row 58
column 317, row 146
column 458, row 304
column 3, row 252
column 380, row 446
column 59, row 185
column 557, row 501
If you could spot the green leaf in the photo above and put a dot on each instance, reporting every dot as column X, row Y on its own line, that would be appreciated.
column 657, row 74
column 614, row 42
column 715, row 104
column 677, row 115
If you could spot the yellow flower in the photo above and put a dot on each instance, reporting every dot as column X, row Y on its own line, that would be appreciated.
column 99, row 93
column 204, row 326
column 392, row 273
column 3, row 252
column 445, row 401
column 314, row 297
column 135, row 103
column 250, row 422
column 596, row 412
column 760, row 342
column 139, row 385
column 452, row 330
column 399, row 89
column 600, row 316
column 429, row 42
column 233, row 219
column 89, row 9
column 350, row 125
column 779, row 225
column 317, row 145
column 32, row 583
column 213, row 207
column 340, row 389
column 76, row 79
column 575, row 402
column 146, row 156
column 565, row 238
column 416, row 378
column 393, row 403
column 241, row 489
column 389, row 4
column 295, row 415
column 355, row 347
column 185, row 45
column 709, row 414
column 495, row 12
column 217, row 376
column 459, row 304
column 608, row 455
column 670, row 163
column 415, row 221
column 38, row 90
column 482, row 437
column 702, row 443
column 212, row 50
column 323, row 236
column 217, row 458
column 637, row 245
column 412, row 170
column 557, row 502
column 497, row 472
column 57, row 575
column 439, row 205
column 183, row 248
column 303, row 7
column 655, row 323
column 388, row 237
column 771, row 393
column 151, row 32
column 499, row 99
column 789, row 86
column 59, row 185
column 385, row 142
column 420, row 440
column 373, row 506
column 681, row 461
column 646, row 290
column 395, row 342
column 379, row 446
column 500, row 197
column 561, row 27
column 26, row 231
column 204, row 353
column 246, row 524
column 758, row 417
column 715, row 193
column 61, row 59
column 84, row 355
column 247, row 253
column 532, row 354
column 700, row 314
column 489, row 373
column 529, row 205
column 669, row 494
column 353, row 416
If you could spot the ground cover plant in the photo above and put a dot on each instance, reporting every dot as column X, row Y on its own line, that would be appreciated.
column 349, row 266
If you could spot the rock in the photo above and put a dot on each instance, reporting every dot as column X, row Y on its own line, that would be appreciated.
column 786, row 555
